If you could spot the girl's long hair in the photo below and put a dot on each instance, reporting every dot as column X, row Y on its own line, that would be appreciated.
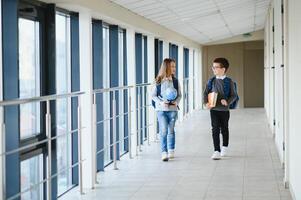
column 165, row 70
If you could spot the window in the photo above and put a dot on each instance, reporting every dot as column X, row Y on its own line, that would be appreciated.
column 141, row 78
column 31, row 176
column 29, row 76
column 158, row 55
column 106, row 96
column 144, row 89
column 31, row 70
column 186, row 80
column 193, row 78
column 63, row 106
column 31, row 61
column 122, row 92
column 173, row 53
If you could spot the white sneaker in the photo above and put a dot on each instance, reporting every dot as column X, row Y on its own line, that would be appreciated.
column 164, row 156
column 171, row 154
column 224, row 151
column 216, row 155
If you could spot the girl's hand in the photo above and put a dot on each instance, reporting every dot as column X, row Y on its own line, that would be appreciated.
column 165, row 104
column 173, row 103
column 224, row 102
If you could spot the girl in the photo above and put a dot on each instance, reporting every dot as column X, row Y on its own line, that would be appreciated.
column 167, row 109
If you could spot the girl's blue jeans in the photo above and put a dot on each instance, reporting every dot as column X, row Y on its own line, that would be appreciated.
column 167, row 121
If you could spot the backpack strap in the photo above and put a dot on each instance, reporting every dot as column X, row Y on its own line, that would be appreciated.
column 210, row 83
column 158, row 86
column 227, row 87
column 175, row 83
column 176, row 86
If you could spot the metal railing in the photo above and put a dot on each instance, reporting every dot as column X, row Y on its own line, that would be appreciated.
column 47, row 141
column 115, row 117
column 143, row 100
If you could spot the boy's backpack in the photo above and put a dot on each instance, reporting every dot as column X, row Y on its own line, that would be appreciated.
column 158, row 87
column 227, row 91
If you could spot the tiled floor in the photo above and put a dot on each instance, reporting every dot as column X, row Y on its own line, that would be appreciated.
column 252, row 171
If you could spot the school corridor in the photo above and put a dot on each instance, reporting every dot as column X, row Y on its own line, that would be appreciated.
column 251, row 171
column 77, row 80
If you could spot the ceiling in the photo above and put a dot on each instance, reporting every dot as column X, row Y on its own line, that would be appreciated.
column 203, row 21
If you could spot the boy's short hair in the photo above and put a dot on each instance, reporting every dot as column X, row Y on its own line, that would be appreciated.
column 223, row 62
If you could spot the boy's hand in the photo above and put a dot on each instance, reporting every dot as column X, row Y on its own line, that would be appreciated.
column 208, row 106
column 224, row 102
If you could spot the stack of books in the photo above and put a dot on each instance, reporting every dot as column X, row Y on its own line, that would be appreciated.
column 212, row 97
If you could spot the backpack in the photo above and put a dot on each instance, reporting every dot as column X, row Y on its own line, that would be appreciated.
column 227, row 86
column 158, row 87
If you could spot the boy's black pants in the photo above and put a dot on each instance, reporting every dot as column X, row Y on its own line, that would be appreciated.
column 219, row 123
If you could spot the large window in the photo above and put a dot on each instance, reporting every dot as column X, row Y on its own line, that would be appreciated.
column 32, row 176
column 173, row 53
column 38, row 63
column 106, row 96
column 63, row 106
column 186, row 80
column 144, row 89
column 29, row 76
column 122, row 92
column 158, row 55
column 141, row 78
column 30, row 62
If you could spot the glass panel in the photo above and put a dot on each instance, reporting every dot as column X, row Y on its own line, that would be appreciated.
column 31, row 175
column 142, row 108
column 121, row 93
column 106, row 96
column 29, row 76
column 63, row 106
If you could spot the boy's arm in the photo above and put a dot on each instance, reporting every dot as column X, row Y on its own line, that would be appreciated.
column 233, row 94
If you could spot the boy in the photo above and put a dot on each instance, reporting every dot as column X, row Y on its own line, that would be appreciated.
column 224, row 87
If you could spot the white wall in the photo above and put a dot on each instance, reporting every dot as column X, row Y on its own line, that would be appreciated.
column 278, row 79
column 271, row 80
column 294, row 95
column 285, row 102
column 85, row 36
column 267, row 67
column 151, row 78
column 130, row 36
column 198, row 80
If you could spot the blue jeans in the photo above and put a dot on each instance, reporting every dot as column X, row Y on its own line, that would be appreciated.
column 167, row 121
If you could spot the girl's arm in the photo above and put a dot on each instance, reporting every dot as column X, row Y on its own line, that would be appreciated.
column 179, row 97
column 155, row 97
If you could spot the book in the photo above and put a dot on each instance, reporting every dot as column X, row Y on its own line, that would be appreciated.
column 212, row 97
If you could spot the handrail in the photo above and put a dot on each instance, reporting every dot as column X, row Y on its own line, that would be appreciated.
column 137, row 110
column 143, row 84
column 102, row 90
column 39, row 99
column 49, row 137
column 95, row 91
